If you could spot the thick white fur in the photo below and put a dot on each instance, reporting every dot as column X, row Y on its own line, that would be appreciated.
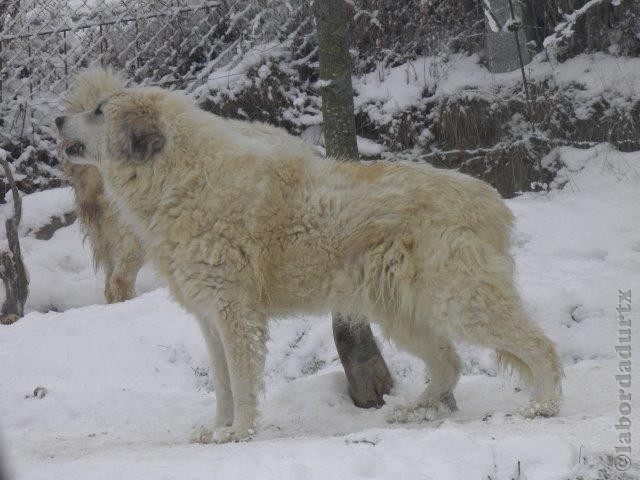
column 246, row 225
column 116, row 249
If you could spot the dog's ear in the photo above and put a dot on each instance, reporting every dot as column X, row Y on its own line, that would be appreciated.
column 134, row 127
column 137, row 139
column 144, row 145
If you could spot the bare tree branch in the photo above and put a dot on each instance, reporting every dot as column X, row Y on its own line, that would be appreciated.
column 17, row 202
column 12, row 270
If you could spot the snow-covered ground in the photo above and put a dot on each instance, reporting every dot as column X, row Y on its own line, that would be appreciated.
column 127, row 384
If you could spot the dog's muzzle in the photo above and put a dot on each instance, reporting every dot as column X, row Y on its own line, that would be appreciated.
column 73, row 148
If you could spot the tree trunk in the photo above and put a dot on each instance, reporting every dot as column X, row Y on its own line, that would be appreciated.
column 332, row 23
column 367, row 373
column 501, row 47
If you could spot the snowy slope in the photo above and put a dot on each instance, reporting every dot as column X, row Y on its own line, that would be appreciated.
column 128, row 383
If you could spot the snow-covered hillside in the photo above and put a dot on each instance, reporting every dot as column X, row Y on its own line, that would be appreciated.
column 127, row 384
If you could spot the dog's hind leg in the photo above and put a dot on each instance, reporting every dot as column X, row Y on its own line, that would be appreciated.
column 444, row 366
column 495, row 318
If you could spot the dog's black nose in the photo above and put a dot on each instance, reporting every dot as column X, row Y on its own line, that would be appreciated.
column 59, row 122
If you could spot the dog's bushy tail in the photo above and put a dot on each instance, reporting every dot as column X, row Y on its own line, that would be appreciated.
column 512, row 366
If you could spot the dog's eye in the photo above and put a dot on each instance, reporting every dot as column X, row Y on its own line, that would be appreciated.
column 98, row 111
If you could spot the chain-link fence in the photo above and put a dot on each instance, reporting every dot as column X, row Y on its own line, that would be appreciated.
column 174, row 43
column 181, row 43
column 257, row 60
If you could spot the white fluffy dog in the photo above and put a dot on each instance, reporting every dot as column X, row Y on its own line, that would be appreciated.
column 115, row 248
column 246, row 224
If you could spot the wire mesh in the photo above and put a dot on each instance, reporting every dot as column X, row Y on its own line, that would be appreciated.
column 174, row 43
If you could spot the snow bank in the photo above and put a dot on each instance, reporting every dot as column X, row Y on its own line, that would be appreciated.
column 590, row 76
column 39, row 208
column 232, row 75
column 383, row 93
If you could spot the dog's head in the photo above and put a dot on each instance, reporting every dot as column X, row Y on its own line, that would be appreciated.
column 92, row 86
column 126, row 126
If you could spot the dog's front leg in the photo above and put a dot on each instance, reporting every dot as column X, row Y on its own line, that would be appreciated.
column 244, row 334
column 221, row 381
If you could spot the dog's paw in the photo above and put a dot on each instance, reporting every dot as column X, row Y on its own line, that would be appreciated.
column 232, row 434
column 424, row 410
column 409, row 414
column 547, row 408
column 414, row 413
column 202, row 434
column 221, row 435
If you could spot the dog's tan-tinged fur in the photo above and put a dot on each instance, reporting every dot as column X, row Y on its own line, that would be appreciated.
column 246, row 225
column 115, row 248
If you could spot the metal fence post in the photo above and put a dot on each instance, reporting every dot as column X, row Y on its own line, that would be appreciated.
column 100, row 40
column 137, row 46
column 1, row 66
column 30, row 99
column 66, row 67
